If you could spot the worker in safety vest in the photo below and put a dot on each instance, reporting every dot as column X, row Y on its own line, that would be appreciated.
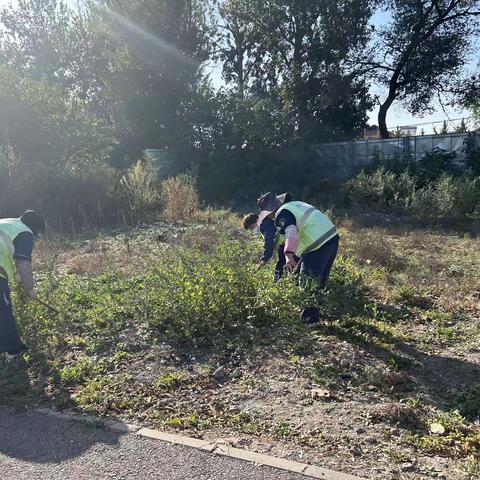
column 272, row 241
column 16, row 245
column 309, row 234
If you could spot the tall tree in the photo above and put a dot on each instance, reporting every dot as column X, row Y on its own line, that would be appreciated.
column 46, row 83
column 311, row 44
column 167, row 42
column 421, row 52
column 239, row 41
column 35, row 39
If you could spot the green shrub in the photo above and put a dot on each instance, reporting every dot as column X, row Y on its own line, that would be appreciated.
column 435, row 164
column 468, row 402
column 381, row 190
column 448, row 197
column 445, row 196
column 71, row 197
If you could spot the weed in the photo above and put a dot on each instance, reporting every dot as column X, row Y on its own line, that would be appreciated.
column 171, row 380
column 81, row 371
column 141, row 192
column 249, row 422
column 180, row 198
column 175, row 422
column 459, row 440
column 410, row 296
column 400, row 414
column 468, row 402
column 283, row 429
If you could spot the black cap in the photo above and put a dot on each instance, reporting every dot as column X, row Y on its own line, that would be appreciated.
column 34, row 221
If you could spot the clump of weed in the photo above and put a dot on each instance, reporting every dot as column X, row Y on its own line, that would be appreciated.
column 180, row 198
column 459, row 440
column 400, row 414
column 410, row 296
column 388, row 379
column 468, row 402
column 373, row 247
column 171, row 380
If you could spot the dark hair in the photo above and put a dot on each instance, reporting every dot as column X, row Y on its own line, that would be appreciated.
column 34, row 221
column 249, row 220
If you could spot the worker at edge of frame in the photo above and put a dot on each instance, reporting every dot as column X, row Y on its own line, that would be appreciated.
column 309, row 235
column 17, row 236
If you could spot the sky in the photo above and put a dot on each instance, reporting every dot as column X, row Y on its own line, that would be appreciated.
column 397, row 115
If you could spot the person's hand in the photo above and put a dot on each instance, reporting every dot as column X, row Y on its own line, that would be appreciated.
column 291, row 263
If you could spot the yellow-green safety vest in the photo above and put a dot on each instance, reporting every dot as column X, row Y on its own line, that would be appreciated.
column 314, row 227
column 10, row 228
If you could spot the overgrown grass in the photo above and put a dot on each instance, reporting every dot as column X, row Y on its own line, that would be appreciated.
column 148, row 315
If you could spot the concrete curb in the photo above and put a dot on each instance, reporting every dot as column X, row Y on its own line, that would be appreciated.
column 218, row 447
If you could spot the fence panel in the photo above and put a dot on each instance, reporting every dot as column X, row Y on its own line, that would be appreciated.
column 340, row 161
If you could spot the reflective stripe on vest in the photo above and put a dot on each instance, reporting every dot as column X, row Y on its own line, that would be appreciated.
column 314, row 227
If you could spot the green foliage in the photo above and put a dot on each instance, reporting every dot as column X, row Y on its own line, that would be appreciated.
column 459, row 441
column 139, row 187
column 448, row 197
column 434, row 164
column 472, row 150
column 430, row 189
column 382, row 189
column 468, row 403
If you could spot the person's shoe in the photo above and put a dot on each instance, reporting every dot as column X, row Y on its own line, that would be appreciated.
column 311, row 316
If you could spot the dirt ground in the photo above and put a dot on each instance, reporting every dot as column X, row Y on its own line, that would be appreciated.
column 358, row 394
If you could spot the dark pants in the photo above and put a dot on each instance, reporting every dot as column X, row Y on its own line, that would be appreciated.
column 9, row 339
column 318, row 264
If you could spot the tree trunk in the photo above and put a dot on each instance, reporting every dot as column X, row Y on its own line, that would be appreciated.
column 382, row 116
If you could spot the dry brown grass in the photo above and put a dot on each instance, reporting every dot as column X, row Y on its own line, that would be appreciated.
column 373, row 247
column 180, row 198
column 439, row 270
column 396, row 413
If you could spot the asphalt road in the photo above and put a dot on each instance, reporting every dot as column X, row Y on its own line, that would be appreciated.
column 34, row 446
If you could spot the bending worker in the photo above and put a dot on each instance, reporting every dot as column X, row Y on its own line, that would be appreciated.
column 272, row 241
column 16, row 245
column 309, row 234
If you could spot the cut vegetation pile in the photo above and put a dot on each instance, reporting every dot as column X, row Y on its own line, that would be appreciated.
column 171, row 327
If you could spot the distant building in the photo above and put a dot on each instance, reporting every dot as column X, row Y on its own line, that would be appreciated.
column 408, row 130
column 371, row 133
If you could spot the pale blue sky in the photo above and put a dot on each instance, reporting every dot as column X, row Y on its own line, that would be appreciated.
column 396, row 116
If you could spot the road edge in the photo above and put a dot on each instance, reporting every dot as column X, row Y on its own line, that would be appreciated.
column 217, row 447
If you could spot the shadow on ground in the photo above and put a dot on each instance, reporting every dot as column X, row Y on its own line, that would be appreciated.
column 42, row 439
column 438, row 378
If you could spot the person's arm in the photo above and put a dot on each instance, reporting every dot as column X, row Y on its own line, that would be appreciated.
column 23, row 262
column 269, row 233
column 280, row 264
column 287, row 225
